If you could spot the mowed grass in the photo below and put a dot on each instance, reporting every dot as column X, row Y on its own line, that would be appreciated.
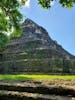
column 37, row 77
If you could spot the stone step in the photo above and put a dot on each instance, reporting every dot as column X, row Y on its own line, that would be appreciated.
column 37, row 88
column 35, row 54
column 14, row 95
column 27, row 60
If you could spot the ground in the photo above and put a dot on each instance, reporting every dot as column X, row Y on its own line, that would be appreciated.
column 41, row 87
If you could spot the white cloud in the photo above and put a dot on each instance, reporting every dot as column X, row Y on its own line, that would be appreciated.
column 27, row 4
column 52, row 3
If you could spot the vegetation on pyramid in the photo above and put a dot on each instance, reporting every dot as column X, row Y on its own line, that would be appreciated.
column 35, row 51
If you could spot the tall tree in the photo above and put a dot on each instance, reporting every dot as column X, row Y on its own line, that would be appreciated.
column 10, row 19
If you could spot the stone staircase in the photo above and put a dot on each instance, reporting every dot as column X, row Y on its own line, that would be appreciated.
column 33, row 91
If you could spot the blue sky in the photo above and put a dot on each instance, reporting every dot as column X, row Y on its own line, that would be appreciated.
column 58, row 21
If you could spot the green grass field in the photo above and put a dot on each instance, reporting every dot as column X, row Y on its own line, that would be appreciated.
column 28, row 77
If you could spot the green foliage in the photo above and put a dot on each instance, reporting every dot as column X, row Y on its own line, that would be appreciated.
column 10, row 19
column 3, row 41
column 66, row 66
column 45, row 3
column 67, row 3
column 10, row 16
column 64, row 3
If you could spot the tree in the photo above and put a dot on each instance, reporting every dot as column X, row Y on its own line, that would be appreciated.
column 3, row 41
column 11, row 18
column 64, row 3
column 66, row 66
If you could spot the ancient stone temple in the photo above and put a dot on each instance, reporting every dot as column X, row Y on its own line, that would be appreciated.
column 34, row 51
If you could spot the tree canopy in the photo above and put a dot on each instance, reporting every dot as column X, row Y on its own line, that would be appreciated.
column 11, row 17
column 64, row 3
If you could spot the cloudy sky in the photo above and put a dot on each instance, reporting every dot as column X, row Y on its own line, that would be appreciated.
column 58, row 21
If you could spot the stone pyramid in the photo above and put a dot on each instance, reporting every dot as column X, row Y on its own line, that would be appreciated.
column 33, row 51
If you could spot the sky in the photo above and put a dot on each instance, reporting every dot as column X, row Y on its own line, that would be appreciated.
column 58, row 21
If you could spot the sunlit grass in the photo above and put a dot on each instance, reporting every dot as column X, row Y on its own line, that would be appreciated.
column 28, row 77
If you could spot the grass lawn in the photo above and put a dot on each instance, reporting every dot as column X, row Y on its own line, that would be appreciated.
column 28, row 77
